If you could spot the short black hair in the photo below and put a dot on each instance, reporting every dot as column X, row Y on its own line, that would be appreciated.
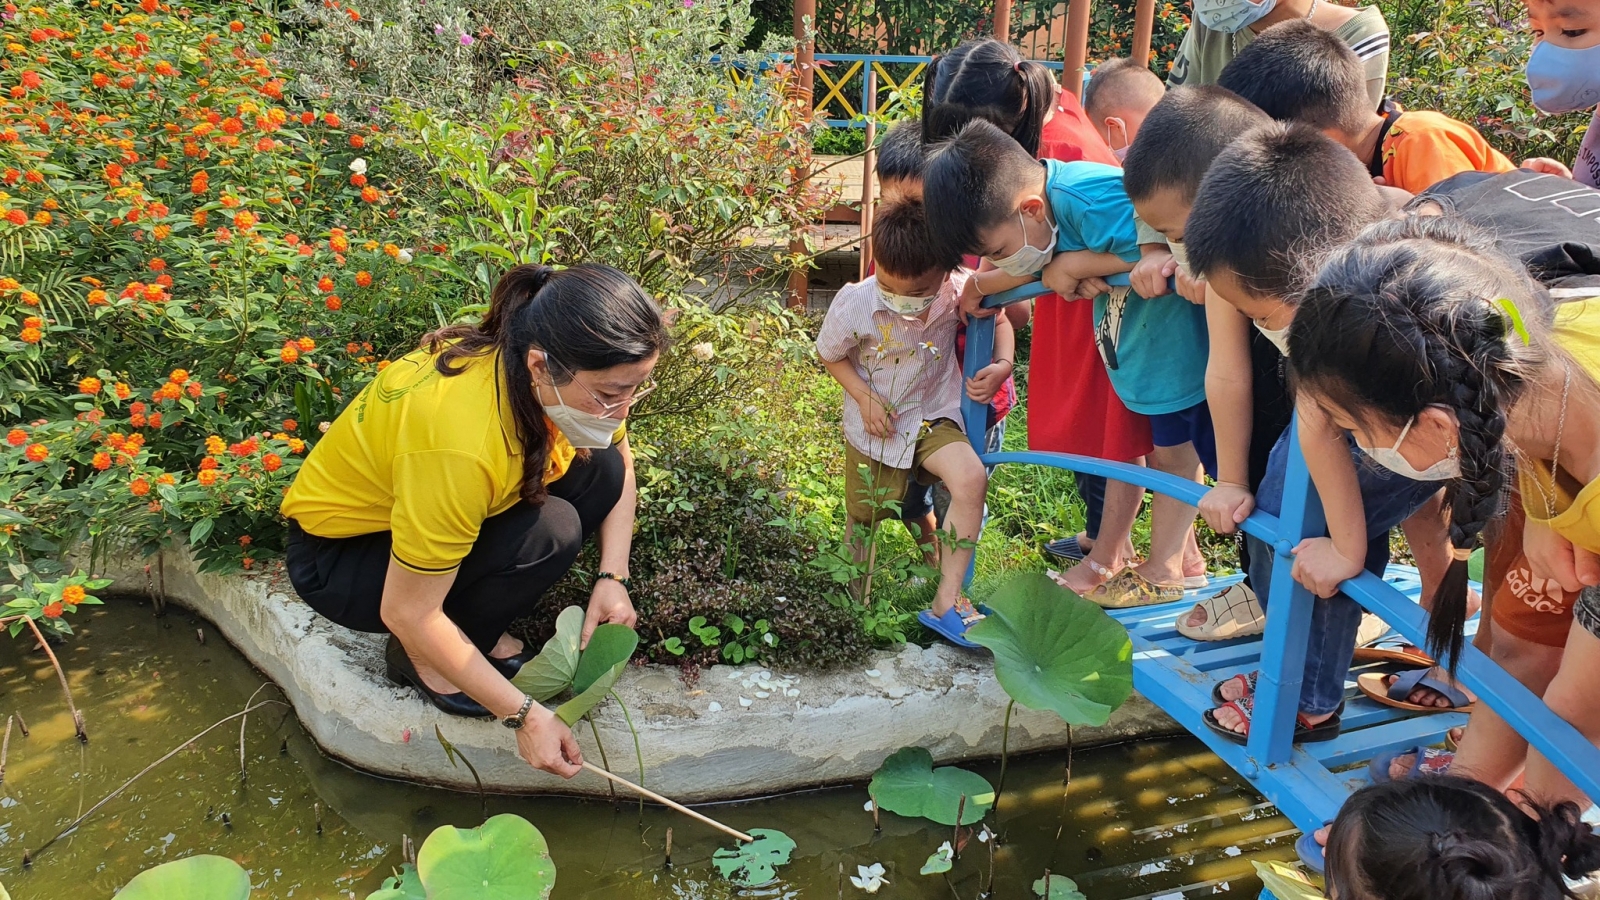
column 970, row 183
column 1298, row 72
column 1275, row 202
column 1119, row 83
column 1182, row 136
column 900, row 242
column 900, row 152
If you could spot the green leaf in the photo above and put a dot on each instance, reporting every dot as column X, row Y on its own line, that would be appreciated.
column 504, row 859
column 1475, row 566
column 942, row 860
column 550, row 673
column 403, row 885
column 755, row 864
column 1057, row 651
column 1286, row 882
column 602, row 663
column 201, row 531
column 202, row 877
column 909, row 785
column 1060, row 887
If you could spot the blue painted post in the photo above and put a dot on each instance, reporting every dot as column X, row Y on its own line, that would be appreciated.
column 980, row 349
column 1283, row 657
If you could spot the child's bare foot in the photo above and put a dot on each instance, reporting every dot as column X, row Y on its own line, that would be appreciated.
column 1230, row 719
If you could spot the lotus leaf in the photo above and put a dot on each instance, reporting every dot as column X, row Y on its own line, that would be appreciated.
column 1057, row 651
column 202, row 877
column 909, row 785
column 1060, row 887
column 551, row 672
column 942, row 860
column 602, row 663
column 1286, row 882
column 1475, row 566
column 504, row 859
column 755, row 864
column 403, row 885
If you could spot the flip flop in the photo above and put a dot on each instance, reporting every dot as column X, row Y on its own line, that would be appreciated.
column 1128, row 589
column 1066, row 548
column 1430, row 761
column 1233, row 613
column 953, row 625
column 1312, row 854
column 1398, row 652
column 1249, row 682
column 1304, row 731
column 1372, row 684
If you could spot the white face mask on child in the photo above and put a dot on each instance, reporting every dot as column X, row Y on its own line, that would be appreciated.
column 1180, row 253
column 1278, row 336
column 1231, row 16
column 904, row 306
column 1391, row 459
column 1029, row 259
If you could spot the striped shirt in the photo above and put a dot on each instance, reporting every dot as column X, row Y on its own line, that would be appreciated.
column 1204, row 52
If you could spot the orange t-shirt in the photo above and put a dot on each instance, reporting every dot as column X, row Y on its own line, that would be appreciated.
column 1424, row 148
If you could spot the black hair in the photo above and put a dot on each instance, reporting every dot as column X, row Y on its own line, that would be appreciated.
column 584, row 318
column 987, row 79
column 900, row 243
column 1119, row 83
column 1182, row 136
column 970, row 183
column 1448, row 838
column 1274, row 201
column 1297, row 71
column 1402, row 319
column 900, row 152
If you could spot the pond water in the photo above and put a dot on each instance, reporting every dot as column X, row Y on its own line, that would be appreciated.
column 1147, row 820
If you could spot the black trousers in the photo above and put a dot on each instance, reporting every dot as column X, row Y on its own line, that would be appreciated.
column 519, row 555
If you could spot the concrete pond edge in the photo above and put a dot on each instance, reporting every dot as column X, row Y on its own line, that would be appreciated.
column 738, row 732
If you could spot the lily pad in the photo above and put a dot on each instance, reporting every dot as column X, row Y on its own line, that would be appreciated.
column 602, row 663
column 551, row 672
column 202, row 877
column 1060, row 887
column 909, row 785
column 1286, row 882
column 1057, row 651
column 942, row 860
column 504, row 859
column 403, row 885
column 755, row 864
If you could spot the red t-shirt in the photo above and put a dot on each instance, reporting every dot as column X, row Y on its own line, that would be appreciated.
column 1071, row 406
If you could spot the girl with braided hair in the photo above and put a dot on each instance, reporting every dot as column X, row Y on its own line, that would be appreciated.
column 1441, row 356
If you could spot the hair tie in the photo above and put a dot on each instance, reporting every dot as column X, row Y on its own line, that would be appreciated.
column 1461, row 554
column 1509, row 308
column 1017, row 67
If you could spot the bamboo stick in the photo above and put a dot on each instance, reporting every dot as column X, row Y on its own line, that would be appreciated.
column 672, row 804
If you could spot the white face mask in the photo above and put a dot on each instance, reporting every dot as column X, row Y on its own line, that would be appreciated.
column 1390, row 458
column 904, row 306
column 1181, row 254
column 1030, row 259
column 1121, row 153
column 583, row 430
column 1231, row 16
column 1278, row 336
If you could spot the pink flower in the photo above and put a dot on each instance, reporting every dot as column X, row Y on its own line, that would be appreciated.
column 688, row 4
column 466, row 39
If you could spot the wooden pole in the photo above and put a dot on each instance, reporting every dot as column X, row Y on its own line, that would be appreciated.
column 1002, row 20
column 1144, row 21
column 805, row 19
column 1077, row 47
column 869, row 165
column 671, row 804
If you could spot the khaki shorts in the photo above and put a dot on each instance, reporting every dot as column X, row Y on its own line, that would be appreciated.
column 868, row 494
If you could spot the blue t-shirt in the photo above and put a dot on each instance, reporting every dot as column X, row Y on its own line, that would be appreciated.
column 1161, row 345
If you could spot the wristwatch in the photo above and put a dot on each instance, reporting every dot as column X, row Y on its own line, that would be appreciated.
column 516, row 722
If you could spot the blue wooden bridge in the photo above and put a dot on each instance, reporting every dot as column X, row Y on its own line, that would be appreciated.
column 1307, row 783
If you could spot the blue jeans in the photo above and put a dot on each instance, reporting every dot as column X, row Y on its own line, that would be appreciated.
column 1388, row 499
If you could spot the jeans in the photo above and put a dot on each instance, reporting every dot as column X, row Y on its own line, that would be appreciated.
column 1093, row 490
column 1388, row 499
column 519, row 554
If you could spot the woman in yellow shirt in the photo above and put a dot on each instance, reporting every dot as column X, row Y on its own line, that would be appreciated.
column 462, row 482
column 1446, row 361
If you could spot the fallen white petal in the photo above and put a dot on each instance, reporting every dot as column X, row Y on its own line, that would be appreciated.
column 745, row 701
column 874, row 673
column 714, row 707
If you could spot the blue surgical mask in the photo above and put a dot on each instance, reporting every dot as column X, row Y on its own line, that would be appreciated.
column 1231, row 16
column 1563, row 80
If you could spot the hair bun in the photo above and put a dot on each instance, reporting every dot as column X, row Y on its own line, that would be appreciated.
column 1473, row 869
column 1568, row 843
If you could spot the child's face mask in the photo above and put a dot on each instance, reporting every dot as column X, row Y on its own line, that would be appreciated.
column 1112, row 141
column 1392, row 459
column 1231, row 16
column 1563, row 80
column 1028, row 260
column 905, row 306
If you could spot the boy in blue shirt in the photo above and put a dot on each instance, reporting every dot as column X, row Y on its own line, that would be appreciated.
column 1071, row 225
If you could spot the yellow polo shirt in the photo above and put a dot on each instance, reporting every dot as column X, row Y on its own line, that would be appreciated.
column 422, row 455
column 1577, row 516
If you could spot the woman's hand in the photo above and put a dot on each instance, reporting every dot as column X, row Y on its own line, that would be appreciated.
column 608, row 602
column 1320, row 566
column 546, row 743
column 1226, row 506
column 1554, row 557
column 990, row 379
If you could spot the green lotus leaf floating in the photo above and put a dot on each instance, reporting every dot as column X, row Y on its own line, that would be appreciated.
column 1057, row 887
column 551, row 672
column 909, row 785
column 202, row 877
column 942, row 860
column 755, row 864
column 1057, row 651
column 602, row 663
column 504, row 859
column 403, row 885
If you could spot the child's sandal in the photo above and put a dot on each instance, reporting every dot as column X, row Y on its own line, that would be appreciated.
column 1304, row 731
column 953, row 625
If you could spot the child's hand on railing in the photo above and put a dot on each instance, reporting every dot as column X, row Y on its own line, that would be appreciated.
column 1226, row 506
column 1191, row 288
column 990, row 379
column 1150, row 273
column 971, row 300
column 876, row 417
column 1058, row 279
column 1320, row 566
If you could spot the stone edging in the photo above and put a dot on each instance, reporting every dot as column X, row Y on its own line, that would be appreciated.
column 719, row 739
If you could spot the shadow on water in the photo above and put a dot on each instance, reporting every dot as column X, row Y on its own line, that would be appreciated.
column 1157, row 819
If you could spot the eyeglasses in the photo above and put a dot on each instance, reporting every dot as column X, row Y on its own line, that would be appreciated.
column 639, row 393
